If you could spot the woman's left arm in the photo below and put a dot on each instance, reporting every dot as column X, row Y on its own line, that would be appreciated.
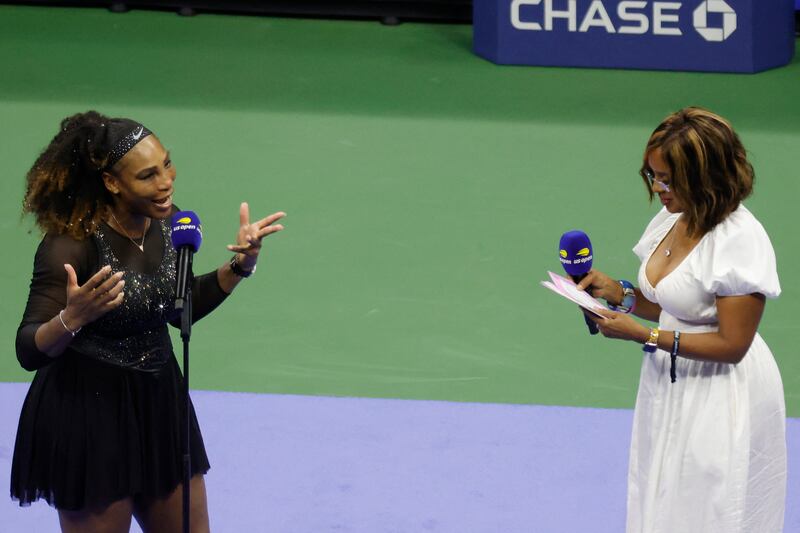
column 210, row 290
column 738, row 317
column 248, row 246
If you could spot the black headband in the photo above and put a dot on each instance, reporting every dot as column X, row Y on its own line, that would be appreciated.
column 124, row 135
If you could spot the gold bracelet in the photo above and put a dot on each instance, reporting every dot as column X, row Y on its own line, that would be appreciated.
column 651, row 345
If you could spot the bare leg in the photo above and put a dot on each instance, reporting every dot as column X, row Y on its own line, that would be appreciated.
column 114, row 518
column 165, row 515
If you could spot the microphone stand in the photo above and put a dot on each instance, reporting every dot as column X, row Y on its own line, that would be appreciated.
column 185, row 307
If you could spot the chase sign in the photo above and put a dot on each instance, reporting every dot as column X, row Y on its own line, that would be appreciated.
column 704, row 35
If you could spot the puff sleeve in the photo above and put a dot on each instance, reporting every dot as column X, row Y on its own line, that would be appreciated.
column 739, row 259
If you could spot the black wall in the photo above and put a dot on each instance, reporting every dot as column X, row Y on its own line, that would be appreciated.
column 386, row 10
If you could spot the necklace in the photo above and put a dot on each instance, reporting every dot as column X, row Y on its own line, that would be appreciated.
column 668, row 249
column 144, row 233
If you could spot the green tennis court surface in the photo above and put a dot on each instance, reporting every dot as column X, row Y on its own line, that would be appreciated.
column 426, row 190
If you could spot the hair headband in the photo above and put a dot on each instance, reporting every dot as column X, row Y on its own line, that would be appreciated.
column 124, row 135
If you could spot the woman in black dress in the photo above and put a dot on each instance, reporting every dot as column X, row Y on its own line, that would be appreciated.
column 99, row 434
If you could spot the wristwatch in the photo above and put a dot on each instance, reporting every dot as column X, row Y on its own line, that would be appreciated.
column 239, row 271
column 651, row 345
column 628, row 298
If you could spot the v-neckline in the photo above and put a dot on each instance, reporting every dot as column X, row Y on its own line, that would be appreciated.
column 128, row 237
column 653, row 251
column 127, row 240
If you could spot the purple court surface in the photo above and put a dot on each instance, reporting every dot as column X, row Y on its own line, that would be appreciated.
column 299, row 464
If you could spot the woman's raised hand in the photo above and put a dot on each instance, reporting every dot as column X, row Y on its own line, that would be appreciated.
column 249, row 236
column 100, row 294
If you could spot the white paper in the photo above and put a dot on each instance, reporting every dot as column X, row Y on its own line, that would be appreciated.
column 566, row 288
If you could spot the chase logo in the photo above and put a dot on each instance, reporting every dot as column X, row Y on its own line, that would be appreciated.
column 583, row 252
column 701, row 20
column 635, row 17
column 184, row 220
column 680, row 35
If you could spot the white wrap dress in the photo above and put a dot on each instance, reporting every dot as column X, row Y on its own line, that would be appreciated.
column 708, row 452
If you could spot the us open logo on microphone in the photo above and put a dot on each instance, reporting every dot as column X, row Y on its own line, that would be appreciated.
column 185, row 223
column 583, row 256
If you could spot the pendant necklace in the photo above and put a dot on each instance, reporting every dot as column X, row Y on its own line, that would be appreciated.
column 144, row 233
column 668, row 249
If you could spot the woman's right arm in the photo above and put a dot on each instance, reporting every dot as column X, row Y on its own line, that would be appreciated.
column 57, row 306
column 85, row 303
column 603, row 286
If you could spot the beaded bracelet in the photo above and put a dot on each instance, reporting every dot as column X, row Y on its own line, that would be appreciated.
column 61, row 318
column 676, row 340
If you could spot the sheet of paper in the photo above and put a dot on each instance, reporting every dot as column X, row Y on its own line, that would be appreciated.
column 566, row 288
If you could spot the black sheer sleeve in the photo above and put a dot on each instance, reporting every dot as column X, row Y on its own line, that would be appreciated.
column 48, row 291
column 206, row 296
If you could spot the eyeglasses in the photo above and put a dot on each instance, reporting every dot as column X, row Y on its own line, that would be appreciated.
column 653, row 181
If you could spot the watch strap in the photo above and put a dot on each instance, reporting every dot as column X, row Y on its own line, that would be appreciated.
column 628, row 298
column 237, row 269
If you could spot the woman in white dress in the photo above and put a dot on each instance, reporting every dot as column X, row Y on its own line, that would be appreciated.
column 708, row 449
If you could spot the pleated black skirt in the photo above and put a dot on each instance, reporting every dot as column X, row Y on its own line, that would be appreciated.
column 91, row 433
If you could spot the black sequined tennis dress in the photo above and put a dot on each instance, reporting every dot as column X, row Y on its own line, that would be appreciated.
column 101, row 422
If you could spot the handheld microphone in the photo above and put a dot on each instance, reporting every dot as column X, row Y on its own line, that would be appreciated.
column 575, row 253
column 187, row 235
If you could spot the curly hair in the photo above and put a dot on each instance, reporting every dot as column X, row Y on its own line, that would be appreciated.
column 709, row 170
column 64, row 187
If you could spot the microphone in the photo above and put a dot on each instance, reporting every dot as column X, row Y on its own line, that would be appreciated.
column 575, row 253
column 187, row 235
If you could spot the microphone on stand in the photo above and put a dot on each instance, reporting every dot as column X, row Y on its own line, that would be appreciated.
column 187, row 236
column 575, row 253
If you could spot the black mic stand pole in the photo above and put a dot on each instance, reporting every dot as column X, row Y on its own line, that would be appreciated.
column 185, row 306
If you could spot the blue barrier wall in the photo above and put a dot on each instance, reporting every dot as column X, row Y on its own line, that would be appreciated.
column 700, row 35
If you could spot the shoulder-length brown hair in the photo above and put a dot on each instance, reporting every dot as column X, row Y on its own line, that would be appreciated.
column 709, row 170
column 64, row 187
